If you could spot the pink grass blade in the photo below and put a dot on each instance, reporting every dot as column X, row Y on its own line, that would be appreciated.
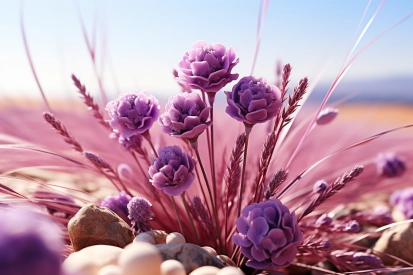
column 29, row 57
column 261, row 19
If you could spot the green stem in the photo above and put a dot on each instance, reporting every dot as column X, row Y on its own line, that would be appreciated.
column 190, row 218
column 177, row 215
column 248, row 128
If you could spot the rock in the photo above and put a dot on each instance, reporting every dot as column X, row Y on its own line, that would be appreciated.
column 396, row 241
column 145, row 238
column 205, row 270
column 110, row 270
column 140, row 258
column 210, row 250
column 172, row 267
column 226, row 260
column 158, row 235
column 90, row 259
column 230, row 270
column 94, row 225
column 175, row 237
column 190, row 255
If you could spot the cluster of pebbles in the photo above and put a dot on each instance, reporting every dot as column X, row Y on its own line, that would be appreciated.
column 104, row 245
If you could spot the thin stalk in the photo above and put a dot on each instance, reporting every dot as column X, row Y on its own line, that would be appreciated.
column 248, row 128
column 177, row 215
column 194, row 145
column 147, row 136
column 214, row 183
column 208, row 136
column 139, row 165
column 190, row 218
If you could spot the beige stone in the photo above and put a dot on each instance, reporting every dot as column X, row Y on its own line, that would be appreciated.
column 145, row 238
column 175, row 237
column 110, row 270
column 139, row 259
column 230, row 270
column 172, row 267
column 226, row 260
column 205, row 270
column 158, row 235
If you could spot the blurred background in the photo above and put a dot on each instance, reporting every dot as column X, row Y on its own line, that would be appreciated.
column 138, row 44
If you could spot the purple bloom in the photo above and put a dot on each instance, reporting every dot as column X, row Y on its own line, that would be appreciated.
column 326, row 116
column 207, row 67
column 132, row 113
column 268, row 234
column 390, row 165
column 403, row 200
column 140, row 214
column 172, row 171
column 30, row 243
column 253, row 101
column 320, row 186
column 118, row 203
column 185, row 116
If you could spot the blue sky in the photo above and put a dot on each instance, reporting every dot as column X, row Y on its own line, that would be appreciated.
column 146, row 39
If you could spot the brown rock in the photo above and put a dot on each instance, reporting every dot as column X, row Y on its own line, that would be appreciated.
column 158, row 235
column 396, row 241
column 190, row 255
column 93, row 225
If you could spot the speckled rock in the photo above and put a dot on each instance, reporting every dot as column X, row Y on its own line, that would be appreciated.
column 158, row 235
column 396, row 241
column 226, row 260
column 190, row 255
column 93, row 225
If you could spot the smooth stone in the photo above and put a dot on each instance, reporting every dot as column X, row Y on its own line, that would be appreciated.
column 175, row 237
column 230, row 270
column 172, row 267
column 158, row 235
column 110, row 270
column 190, row 255
column 226, row 260
column 93, row 225
column 140, row 258
column 210, row 250
column 396, row 241
column 205, row 270
column 90, row 259
column 145, row 238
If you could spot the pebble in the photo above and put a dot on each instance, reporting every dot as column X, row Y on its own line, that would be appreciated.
column 145, row 238
column 396, row 241
column 93, row 225
column 140, row 258
column 205, row 270
column 210, row 250
column 172, row 267
column 175, row 237
column 90, row 259
column 158, row 235
column 230, row 270
column 190, row 255
column 226, row 260
column 110, row 270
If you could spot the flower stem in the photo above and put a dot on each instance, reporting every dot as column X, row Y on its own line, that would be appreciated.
column 190, row 218
column 177, row 215
column 147, row 136
column 214, row 183
column 194, row 145
column 248, row 128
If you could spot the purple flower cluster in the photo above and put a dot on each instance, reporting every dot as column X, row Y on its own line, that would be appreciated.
column 172, row 171
column 140, row 214
column 253, row 101
column 132, row 113
column 403, row 200
column 207, row 67
column 30, row 243
column 118, row 203
column 268, row 234
column 359, row 260
column 185, row 116
column 390, row 165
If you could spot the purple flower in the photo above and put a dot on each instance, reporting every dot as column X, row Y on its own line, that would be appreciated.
column 30, row 243
column 132, row 113
column 172, row 171
column 207, row 67
column 320, row 186
column 403, row 200
column 268, row 234
column 185, row 116
column 390, row 165
column 118, row 203
column 140, row 214
column 253, row 101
